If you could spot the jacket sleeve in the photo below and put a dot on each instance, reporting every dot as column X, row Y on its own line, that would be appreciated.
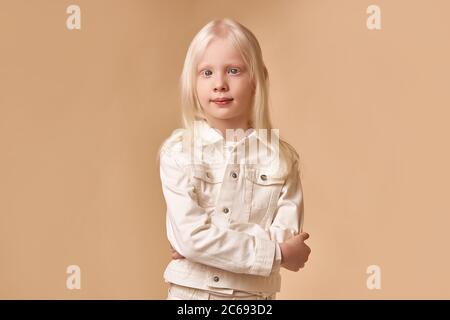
column 288, row 217
column 192, row 234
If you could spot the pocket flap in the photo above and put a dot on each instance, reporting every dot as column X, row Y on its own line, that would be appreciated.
column 264, row 177
column 211, row 176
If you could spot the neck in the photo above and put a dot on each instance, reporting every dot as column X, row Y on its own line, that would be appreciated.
column 233, row 124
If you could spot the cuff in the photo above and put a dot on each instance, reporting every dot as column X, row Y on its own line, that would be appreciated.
column 264, row 257
column 277, row 260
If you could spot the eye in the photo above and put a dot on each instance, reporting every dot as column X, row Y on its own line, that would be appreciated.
column 206, row 73
column 234, row 70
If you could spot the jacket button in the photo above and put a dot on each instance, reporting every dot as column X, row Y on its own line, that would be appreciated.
column 226, row 210
column 263, row 177
column 216, row 279
column 234, row 175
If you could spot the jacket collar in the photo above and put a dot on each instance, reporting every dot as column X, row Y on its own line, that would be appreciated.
column 209, row 135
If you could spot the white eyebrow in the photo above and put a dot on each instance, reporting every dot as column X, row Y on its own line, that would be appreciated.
column 206, row 65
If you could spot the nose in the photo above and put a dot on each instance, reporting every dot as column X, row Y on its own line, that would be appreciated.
column 220, row 84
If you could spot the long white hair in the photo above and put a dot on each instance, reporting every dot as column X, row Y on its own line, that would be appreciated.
column 248, row 46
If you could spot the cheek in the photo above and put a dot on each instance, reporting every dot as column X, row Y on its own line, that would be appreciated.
column 243, row 91
column 202, row 92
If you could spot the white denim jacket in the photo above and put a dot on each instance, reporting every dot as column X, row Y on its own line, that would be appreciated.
column 226, row 218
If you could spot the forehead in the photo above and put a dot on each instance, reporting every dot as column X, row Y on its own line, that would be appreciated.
column 220, row 52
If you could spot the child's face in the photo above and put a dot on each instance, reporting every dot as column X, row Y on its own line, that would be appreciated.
column 221, row 73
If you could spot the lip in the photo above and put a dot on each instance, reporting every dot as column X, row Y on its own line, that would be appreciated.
column 222, row 101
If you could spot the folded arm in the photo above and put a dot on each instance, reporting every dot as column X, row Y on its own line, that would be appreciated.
column 192, row 234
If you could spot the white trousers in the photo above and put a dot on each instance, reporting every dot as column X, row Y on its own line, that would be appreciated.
column 177, row 292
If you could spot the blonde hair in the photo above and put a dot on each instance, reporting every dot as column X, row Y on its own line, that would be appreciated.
column 248, row 46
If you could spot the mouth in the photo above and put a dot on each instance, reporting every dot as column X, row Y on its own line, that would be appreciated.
column 222, row 101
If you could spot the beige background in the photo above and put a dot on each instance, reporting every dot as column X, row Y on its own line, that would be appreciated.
column 83, row 112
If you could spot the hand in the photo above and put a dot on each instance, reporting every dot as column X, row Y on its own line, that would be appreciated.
column 295, row 252
column 175, row 254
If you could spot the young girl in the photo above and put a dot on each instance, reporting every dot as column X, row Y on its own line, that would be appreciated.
column 234, row 211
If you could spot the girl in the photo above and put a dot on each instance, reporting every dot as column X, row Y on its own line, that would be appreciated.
column 234, row 211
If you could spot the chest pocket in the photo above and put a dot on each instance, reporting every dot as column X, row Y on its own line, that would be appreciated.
column 207, row 184
column 263, row 190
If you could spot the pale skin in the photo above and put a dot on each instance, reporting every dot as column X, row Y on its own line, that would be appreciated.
column 221, row 72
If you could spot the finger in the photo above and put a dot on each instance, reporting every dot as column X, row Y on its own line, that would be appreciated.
column 304, row 235
column 176, row 255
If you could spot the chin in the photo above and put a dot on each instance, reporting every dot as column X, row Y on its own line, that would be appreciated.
column 223, row 116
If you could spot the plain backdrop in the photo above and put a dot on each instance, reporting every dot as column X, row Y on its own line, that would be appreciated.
column 83, row 112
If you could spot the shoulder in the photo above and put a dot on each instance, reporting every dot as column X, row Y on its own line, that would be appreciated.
column 290, row 151
column 173, row 143
column 173, row 149
column 290, row 157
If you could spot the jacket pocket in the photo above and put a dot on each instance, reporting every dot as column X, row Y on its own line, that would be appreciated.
column 207, row 184
column 264, row 188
